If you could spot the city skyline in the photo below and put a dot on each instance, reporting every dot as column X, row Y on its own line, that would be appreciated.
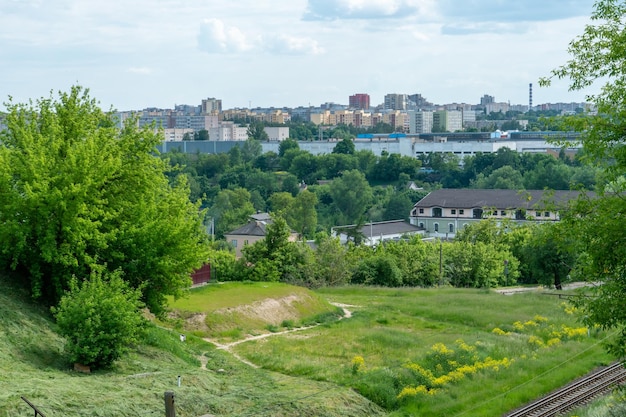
column 303, row 52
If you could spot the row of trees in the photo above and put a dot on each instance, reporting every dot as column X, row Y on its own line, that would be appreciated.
column 483, row 255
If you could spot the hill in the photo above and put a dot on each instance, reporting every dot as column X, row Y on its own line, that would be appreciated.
column 211, row 380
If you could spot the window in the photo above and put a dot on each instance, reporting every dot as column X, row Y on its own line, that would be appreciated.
column 453, row 211
column 437, row 212
column 502, row 212
column 245, row 242
column 538, row 214
column 461, row 211
column 234, row 243
column 451, row 228
column 421, row 225
column 436, row 227
column 546, row 214
column 421, row 211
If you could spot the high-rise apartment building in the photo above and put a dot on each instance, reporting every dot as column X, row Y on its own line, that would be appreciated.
column 395, row 102
column 447, row 121
column 359, row 101
column 420, row 121
column 211, row 106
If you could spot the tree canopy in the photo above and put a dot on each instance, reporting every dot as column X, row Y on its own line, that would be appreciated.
column 599, row 225
column 78, row 193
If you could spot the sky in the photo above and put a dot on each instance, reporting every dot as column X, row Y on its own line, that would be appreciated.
column 135, row 54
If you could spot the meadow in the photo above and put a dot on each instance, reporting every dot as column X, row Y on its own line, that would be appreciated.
column 434, row 352
column 403, row 352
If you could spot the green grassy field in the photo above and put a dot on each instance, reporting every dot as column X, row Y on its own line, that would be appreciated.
column 403, row 352
column 400, row 339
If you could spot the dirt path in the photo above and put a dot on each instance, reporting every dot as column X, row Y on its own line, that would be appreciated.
column 228, row 346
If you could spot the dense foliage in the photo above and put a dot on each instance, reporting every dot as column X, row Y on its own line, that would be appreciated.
column 77, row 194
column 99, row 319
column 599, row 225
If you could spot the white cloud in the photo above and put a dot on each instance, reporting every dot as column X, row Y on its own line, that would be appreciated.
column 358, row 9
column 215, row 36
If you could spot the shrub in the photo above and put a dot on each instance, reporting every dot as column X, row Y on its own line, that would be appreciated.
column 99, row 318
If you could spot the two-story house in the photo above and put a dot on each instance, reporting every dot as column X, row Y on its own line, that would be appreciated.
column 442, row 212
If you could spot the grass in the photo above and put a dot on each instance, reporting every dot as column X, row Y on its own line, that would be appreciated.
column 33, row 365
column 349, row 367
column 231, row 311
column 391, row 328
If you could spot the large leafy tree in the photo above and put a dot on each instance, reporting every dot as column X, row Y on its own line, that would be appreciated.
column 77, row 193
column 352, row 195
column 598, row 57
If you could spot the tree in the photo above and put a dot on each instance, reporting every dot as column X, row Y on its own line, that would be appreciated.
column 251, row 149
column 99, row 318
column 352, row 195
column 257, row 132
column 346, row 146
column 302, row 214
column 598, row 56
column 77, row 193
column 287, row 144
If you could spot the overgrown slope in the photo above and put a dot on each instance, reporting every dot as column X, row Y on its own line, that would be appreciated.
column 211, row 381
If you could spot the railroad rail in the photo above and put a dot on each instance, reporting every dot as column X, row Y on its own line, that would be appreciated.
column 575, row 394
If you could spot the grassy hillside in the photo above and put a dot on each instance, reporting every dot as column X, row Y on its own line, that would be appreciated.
column 212, row 381
column 231, row 311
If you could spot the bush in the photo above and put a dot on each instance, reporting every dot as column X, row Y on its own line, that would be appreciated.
column 99, row 318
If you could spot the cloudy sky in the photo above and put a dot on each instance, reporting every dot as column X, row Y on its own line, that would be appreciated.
column 136, row 53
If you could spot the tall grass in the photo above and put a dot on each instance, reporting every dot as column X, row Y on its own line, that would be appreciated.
column 391, row 329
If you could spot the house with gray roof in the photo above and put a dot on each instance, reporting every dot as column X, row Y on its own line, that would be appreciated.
column 378, row 232
column 442, row 212
column 251, row 232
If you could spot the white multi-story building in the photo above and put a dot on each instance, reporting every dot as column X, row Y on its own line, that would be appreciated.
column 277, row 133
column 228, row 131
column 176, row 135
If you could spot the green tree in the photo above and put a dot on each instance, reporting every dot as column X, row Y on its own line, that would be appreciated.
column 333, row 266
column 302, row 214
column 352, row 195
column 346, row 146
column 287, row 144
column 231, row 209
column 201, row 135
column 251, row 150
column 99, row 318
column 76, row 193
column 257, row 132
column 505, row 178
column 598, row 58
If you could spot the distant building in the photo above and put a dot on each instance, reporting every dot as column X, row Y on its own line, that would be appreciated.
column 277, row 133
column 379, row 232
column 447, row 121
column 395, row 102
column 420, row 121
column 211, row 106
column 359, row 101
column 252, row 232
column 443, row 212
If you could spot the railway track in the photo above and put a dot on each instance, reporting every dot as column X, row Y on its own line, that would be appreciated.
column 575, row 394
